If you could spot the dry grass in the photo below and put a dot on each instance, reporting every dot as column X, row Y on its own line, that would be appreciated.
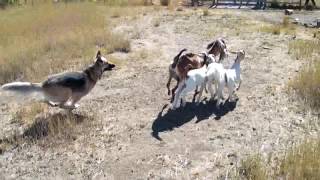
column 301, row 162
column 284, row 28
column 156, row 22
column 26, row 114
column 46, row 39
column 252, row 168
column 306, row 83
column 304, row 49
column 205, row 12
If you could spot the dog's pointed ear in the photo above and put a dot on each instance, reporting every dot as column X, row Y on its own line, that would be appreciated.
column 98, row 56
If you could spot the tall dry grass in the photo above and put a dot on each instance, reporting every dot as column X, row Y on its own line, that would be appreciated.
column 285, row 27
column 49, row 38
column 307, row 83
column 300, row 162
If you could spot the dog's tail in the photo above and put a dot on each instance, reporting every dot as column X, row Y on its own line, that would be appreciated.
column 24, row 89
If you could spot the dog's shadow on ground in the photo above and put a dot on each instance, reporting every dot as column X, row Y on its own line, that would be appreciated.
column 55, row 126
column 176, row 118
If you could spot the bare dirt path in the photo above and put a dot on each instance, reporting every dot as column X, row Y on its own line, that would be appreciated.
column 135, row 136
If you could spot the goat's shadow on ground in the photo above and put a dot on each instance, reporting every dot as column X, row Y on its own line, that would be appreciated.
column 176, row 118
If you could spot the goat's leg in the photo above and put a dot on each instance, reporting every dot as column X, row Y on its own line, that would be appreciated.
column 169, row 82
column 219, row 94
column 200, row 93
column 177, row 95
column 209, row 83
column 183, row 99
column 239, row 84
column 240, row 4
column 231, row 90
column 195, row 93
column 173, row 91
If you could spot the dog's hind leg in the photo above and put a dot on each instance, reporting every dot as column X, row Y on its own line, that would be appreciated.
column 57, row 96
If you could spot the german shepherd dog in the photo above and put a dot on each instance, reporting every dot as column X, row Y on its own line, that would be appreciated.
column 64, row 90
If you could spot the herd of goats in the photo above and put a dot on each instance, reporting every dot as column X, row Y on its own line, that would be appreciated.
column 190, row 70
column 202, row 70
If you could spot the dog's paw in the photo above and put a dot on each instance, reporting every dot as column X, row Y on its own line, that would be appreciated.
column 76, row 105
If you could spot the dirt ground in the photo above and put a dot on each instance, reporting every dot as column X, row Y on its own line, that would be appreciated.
column 125, row 130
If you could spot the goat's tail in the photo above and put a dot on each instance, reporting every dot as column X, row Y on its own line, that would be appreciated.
column 176, row 58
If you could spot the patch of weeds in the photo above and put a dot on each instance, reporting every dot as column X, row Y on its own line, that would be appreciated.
column 253, row 168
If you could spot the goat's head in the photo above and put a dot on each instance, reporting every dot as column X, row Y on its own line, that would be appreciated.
column 218, row 47
column 207, row 58
column 240, row 55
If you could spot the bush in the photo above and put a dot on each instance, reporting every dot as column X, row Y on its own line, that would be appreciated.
column 164, row 2
column 274, row 4
column 301, row 162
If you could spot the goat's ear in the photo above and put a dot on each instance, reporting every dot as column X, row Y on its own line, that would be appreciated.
column 98, row 56
column 233, row 52
column 210, row 45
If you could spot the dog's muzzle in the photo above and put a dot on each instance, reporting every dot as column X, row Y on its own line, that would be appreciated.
column 110, row 67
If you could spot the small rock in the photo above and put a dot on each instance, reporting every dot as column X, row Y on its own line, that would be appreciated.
column 179, row 9
column 288, row 11
column 296, row 21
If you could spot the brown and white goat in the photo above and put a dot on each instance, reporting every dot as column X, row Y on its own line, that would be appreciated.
column 218, row 48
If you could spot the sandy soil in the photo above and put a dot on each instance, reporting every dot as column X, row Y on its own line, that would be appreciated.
column 125, row 130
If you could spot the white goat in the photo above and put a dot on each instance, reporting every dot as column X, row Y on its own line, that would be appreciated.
column 221, row 77
column 195, row 78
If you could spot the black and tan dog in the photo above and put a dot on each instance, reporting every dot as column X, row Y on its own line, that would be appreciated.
column 64, row 90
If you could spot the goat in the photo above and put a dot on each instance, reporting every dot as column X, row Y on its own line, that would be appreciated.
column 222, row 77
column 195, row 78
column 218, row 48
column 172, row 72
